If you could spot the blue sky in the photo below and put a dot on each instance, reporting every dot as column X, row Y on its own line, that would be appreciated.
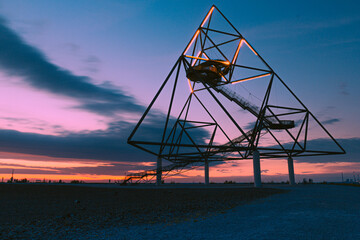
column 123, row 50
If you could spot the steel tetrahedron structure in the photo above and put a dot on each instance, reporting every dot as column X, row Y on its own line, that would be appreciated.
column 222, row 101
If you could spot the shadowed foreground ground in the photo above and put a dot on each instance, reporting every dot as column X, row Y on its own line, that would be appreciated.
column 307, row 212
column 55, row 211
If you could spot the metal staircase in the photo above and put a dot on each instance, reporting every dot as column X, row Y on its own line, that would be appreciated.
column 269, row 121
column 182, row 164
column 151, row 173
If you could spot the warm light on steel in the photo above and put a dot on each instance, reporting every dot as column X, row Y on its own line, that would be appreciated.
column 251, row 47
column 191, row 89
column 227, row 63
column 251, row 78
column 206, row 59
column 197, row 55
column 192, row 41
column 207, row 16
column 237, row 51
column 231, row 142
column 198, row 58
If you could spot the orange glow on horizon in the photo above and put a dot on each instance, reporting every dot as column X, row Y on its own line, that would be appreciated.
column 33, row 167
column 52, row 164
column 272, row 169
column 64, row 177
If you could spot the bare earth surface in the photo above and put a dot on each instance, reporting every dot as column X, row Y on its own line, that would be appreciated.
column 232, row 212
column 41, row 211
column 306, row 212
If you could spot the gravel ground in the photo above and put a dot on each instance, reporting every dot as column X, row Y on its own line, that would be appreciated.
column 41, row 211
column 306, row 212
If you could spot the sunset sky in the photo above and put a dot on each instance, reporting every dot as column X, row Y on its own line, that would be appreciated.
column 75, row 77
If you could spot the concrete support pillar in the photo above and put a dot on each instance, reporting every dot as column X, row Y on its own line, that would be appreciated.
column 206, row 169
column 291, row 171
column 257, row 171
column 158, row 171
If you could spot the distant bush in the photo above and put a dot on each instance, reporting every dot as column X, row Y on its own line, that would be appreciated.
column 229, row 182
column 77, row 181
column 305, row 181
column 24, row 180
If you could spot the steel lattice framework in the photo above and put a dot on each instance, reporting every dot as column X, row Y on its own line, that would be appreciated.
column 210, row 66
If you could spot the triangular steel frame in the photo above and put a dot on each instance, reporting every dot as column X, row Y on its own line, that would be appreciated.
column 234, row 147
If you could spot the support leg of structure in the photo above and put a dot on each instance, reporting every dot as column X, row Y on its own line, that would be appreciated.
column 206, row 168
column 257, row 171
column 158, row 171
column 291, row 171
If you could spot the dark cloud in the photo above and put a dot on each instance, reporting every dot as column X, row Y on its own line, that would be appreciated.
column 113, row 168
column 93, row 145
column 109, row 108
column 354, row 167
column 110, row 144
column 249, row 126
column 30, row 123
column 28, row 171
column 351, row 146
column 17, row 58
column 330, row 121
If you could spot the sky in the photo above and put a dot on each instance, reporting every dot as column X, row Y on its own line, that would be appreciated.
column 76, row 76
